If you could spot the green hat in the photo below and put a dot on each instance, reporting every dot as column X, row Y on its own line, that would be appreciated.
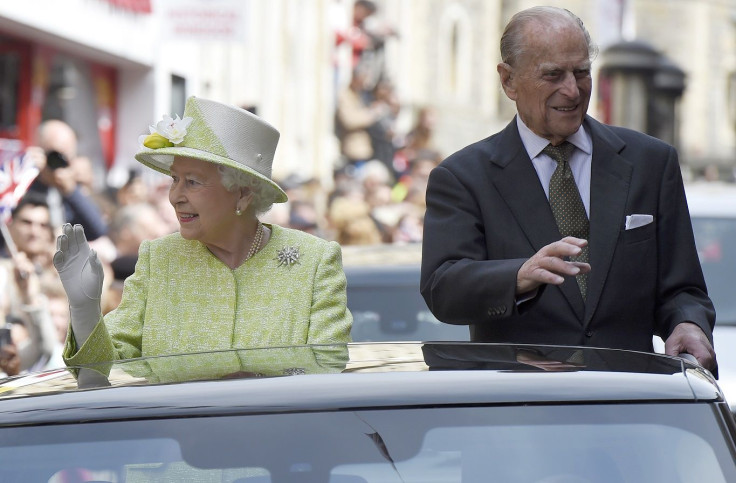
column 217, row 133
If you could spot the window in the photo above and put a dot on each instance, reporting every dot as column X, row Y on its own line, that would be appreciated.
column 455, row 36
column 178, row 94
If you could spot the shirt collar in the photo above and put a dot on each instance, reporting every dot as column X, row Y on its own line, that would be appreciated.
column 534, row 144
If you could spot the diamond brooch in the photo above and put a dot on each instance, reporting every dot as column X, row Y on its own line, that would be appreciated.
column 288, row 256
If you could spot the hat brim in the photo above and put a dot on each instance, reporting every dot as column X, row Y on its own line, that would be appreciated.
column 161, row 159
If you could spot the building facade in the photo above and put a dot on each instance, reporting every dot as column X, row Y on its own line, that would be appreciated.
column 112, row 67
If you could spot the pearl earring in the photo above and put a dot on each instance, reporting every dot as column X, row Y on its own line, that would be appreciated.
column 238, row 212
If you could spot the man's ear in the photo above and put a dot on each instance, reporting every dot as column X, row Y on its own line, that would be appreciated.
column 506, row 73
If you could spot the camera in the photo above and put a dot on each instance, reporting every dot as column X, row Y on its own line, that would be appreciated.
column 56, row 160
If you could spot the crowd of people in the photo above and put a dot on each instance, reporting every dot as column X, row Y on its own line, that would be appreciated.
column 32, row 300
column 371, row 200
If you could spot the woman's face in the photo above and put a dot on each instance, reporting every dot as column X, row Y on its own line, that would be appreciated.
column 204, row 208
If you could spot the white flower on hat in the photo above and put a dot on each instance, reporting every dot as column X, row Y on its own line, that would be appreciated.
column 166, row 133
column 173, row 129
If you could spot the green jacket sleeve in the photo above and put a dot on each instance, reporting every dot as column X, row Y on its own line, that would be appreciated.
column 118, row 334
column 330, row 320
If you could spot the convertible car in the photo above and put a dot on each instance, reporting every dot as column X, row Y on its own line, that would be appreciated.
column 374, row 412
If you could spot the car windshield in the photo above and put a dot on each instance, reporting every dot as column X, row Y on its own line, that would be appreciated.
column 716, row 242
column 535, row 444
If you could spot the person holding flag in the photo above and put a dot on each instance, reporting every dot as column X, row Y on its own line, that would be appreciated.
column 28, row 237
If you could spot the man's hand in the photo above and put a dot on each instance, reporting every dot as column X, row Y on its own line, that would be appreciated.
column 37, row 156
column 550, row 265
column 689, row 338
column 26, row 279
column 9, row 360
column 63, row 179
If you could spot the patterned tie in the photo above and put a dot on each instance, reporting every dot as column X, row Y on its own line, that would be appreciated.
column 567, row 206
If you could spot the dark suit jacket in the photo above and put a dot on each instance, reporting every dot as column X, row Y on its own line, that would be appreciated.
column 487, row 214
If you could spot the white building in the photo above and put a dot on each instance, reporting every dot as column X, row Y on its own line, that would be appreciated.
column 112, row 67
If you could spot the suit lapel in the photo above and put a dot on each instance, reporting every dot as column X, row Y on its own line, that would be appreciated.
column 610, row 179
column 518, row 184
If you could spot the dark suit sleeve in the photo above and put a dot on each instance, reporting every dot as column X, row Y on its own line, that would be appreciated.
column 682, row 294
column 458, row 282
column 82, row 210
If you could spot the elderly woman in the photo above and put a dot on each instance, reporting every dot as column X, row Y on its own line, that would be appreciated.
column 225, row 280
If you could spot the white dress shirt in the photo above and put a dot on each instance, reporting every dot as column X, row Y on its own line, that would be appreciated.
column 580, row 160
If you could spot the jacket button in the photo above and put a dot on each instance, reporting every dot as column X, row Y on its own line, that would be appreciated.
column 589, row 333
column 493, row 311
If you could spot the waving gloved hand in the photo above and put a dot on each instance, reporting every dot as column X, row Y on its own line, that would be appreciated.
column 81, row 274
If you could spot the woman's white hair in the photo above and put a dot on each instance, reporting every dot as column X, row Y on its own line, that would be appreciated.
column 263, row 195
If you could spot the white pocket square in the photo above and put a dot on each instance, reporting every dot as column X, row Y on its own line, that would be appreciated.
column 635, row 221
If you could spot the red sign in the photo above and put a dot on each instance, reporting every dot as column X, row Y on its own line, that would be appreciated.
column 139, row 6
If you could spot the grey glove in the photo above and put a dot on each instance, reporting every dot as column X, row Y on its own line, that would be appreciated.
column 81, row 274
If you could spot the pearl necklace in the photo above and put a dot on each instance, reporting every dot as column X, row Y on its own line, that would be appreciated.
column 256, row 245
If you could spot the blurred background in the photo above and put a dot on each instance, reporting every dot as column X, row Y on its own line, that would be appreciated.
column 368, row 95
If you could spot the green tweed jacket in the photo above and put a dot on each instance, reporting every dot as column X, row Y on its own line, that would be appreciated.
column 183, row 299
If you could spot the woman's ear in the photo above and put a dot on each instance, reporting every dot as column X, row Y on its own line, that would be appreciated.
column 506, row 73
column 246, row 198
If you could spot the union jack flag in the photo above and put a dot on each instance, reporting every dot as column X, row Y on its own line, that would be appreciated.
column 17, row 172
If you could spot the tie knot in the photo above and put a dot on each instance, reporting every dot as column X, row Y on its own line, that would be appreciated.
column 561, row 152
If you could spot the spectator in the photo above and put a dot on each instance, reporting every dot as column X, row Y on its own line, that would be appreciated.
column 353, row 117
column 122, row 268
column 84, row 174
column 32, row 233
column 366, row 41
column 133, row 191
column 303, row 216
column 132, row 224
column 383, row 131
column 23, row 269
column 357, row 36
column 420, row 138
column 58, row 180
column 58, row 306
column 409, row 227
column 353, row 223
column 9, row 359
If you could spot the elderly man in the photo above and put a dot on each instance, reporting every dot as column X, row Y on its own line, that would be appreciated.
column 559, row 229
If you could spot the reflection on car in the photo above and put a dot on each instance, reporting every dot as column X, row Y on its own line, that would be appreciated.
column 383, row 296
column 389, row 412
column 712, row 208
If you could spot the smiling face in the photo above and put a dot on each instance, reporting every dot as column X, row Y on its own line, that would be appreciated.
column 204, row 208
column 551, row 83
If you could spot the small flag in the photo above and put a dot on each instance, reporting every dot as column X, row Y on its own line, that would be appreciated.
column 17, row 172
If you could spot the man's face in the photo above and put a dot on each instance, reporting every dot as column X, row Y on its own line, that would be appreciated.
column 551, row 83
column 31, row 230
